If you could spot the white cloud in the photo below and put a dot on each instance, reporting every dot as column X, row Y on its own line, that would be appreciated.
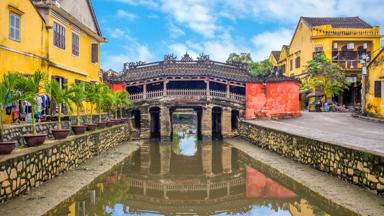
column 115, row 33
column 147, row 3
column 196, row 14
column 175, row 31
column 265, row 42
column 135, row 52
column 127, row 15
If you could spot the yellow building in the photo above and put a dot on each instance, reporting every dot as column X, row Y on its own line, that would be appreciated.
column 61, row 38
column 375, row 87
column 344, row 40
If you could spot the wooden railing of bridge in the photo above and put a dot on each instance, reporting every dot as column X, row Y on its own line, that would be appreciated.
column 186, row 93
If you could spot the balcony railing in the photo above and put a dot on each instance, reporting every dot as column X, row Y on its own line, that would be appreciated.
column 186, row 93
column 348, row 59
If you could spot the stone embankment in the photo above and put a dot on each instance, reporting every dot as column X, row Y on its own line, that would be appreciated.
column 29, row 167
column 354, row 166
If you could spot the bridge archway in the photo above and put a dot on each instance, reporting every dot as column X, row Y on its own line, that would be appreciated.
column 235, row 119
column 217, row 122
column 154, row 113
column 135, row 114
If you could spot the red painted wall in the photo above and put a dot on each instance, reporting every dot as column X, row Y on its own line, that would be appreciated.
column 255, row 99
column 117, row 86
column 274, row 99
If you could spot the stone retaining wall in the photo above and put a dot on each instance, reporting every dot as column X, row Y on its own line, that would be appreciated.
column 29, row 167
column 15, row 132
column 357, row 167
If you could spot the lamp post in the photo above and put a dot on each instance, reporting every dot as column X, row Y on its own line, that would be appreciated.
column 363, row 61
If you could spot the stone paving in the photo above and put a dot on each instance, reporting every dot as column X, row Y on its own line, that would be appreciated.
column 352, row 197
column 337, row 128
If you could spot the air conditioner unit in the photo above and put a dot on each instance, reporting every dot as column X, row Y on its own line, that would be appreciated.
column 335, row 45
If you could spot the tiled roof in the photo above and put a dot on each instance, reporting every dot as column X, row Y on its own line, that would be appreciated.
column 337, row 22
column 276, row 54
column 185, row 68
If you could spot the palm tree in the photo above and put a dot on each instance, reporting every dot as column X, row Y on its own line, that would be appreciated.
column 100, row 98
column 7, row 94
column 62, row 97
column 123, row 100
column 78, row 98
column 91, row 94
column 27, row 88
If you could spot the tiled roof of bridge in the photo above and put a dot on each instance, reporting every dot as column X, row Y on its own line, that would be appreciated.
column 184, row 67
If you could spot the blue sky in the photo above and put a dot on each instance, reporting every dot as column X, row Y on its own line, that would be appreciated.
column 146, row 30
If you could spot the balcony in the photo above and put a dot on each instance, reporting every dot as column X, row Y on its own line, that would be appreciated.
column 348, row 60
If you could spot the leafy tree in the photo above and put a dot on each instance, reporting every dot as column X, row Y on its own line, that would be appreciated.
column 321, row 75
column 261, row 68
column 62, row 97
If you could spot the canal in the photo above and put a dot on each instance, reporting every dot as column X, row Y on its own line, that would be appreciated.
column 188, row 176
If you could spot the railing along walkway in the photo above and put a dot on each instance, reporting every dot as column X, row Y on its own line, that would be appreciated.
column 183, row 93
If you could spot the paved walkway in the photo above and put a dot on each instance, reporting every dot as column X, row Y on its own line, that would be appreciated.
column 337, row 128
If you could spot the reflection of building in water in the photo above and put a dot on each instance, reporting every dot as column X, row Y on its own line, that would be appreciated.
column 217, row 179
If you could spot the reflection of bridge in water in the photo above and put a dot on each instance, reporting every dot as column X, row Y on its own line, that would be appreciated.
column 146, row 183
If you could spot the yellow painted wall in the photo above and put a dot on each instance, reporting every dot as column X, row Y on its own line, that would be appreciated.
column 300, row 46
column 272, row 59
column 32, row 39
column 375, row 105
column 64, row 57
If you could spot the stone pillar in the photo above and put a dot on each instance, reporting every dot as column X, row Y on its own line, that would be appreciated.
column 165, row 158
column 206, row 157
column 207, row 89
column 228, row 89
column 206, row 122
column 145, row 123
column 226, row 158
column 165, row 123
column 145, row 90
column 226, row 122
column 165, row 87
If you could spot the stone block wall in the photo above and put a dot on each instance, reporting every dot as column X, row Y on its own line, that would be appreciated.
column 354, row 166
column 29, row 167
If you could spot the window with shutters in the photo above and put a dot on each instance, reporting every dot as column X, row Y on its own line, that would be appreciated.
column 378, row 90
column 75, row 44
column 95, row 53
column 291, row 65
column 297, row 62
column 58, row 35
column 14, row 27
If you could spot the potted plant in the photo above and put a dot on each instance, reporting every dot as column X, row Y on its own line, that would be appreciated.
column 27, row 89
column 78, row 97
column 90, row 97
column 7, row 87
column 61, row 97
column 101, row 102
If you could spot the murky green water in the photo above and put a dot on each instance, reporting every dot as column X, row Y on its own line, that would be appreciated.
column 189, row 177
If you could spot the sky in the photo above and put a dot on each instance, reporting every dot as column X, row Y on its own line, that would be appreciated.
column 146, row 30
